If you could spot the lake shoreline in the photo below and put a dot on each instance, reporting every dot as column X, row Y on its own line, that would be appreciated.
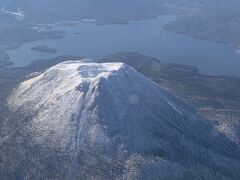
column 131, row 37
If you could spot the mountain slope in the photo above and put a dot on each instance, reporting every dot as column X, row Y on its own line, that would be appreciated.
column 107, row 121
column 213, row 97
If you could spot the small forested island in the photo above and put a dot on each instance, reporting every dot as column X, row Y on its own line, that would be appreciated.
column 76, row 33
column 43, row 48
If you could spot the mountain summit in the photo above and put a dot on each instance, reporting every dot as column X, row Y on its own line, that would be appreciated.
column 79, row 120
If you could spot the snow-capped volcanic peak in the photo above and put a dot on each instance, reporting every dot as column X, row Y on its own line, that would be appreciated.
column 113, row 122
column 59, row 94
column 67, row 75
column 64, row 78
column 75, row 92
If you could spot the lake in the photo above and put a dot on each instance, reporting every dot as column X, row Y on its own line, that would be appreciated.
column 146, row 36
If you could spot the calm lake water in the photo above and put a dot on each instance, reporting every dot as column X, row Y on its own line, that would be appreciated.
column 147, row 37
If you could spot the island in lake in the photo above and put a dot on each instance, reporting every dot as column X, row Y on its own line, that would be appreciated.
column 76, row 33
column 44, row 48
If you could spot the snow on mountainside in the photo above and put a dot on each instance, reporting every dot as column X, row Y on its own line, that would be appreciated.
column 107, row 121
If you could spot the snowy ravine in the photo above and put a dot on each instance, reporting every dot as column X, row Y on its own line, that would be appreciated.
column 79, row 120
